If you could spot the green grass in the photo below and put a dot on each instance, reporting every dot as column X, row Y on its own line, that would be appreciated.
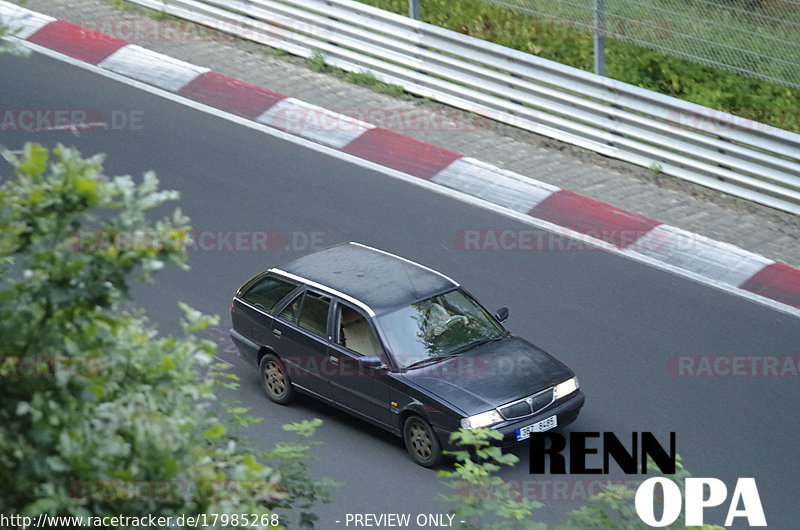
column 718, row 88
column 269, row 50
column 160, row 15
column 739, row 33
column 316, row 62
column 122, row 5
column 367, row 79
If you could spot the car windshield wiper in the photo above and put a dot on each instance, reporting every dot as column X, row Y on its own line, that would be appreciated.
column 457, row 351
column 478, row 342
column 429, row 360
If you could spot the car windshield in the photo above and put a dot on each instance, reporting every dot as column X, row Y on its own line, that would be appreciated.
column 442, row 325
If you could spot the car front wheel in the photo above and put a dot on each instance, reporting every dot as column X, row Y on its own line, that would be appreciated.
column 274, row 379
column 421, row 442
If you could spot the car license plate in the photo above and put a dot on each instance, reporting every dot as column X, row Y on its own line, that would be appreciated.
column 523, row 433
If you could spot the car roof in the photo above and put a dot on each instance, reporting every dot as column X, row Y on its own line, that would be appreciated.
column 380, row 280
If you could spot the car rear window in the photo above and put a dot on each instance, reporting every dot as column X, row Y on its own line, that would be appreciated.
column 267, row 292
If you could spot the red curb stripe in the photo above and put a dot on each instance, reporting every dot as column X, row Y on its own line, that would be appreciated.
column 231, row 95
column 401, row 152
column 593, row 218
column 84, row 44
column 777, row 281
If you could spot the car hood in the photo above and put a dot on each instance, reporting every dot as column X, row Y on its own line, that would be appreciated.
column 490, row 375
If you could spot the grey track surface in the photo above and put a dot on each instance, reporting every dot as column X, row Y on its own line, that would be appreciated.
column 755, row 228
column 613, row 320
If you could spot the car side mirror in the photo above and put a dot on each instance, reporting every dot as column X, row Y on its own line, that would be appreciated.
column 370, row 361
column 502, row 314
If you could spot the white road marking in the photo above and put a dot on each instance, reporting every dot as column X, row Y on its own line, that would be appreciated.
column 75, row 128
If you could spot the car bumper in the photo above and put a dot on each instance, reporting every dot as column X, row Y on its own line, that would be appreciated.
column 566, row 411
column 246, row 347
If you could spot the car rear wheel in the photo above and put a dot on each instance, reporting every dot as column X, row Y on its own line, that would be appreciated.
column 421, row 442
column 276, row 383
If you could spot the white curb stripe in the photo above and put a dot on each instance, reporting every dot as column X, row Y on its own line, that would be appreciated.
column 314, row 123
column 493, row 184
column 24, row 21
column 701, row 255
column 153, row 68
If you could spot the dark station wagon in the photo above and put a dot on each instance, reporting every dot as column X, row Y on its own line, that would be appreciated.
column 399, row 345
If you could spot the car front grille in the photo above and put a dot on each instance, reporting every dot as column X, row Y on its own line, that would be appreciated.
column 527, row 406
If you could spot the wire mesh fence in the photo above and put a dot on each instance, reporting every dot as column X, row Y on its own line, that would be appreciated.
column 760, row 38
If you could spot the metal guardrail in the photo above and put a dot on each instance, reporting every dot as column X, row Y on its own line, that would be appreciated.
column 695, row 143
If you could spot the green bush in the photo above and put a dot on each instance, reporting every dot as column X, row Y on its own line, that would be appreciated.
column 100, row 414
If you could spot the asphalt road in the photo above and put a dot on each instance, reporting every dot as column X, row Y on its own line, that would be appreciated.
column 616, row 322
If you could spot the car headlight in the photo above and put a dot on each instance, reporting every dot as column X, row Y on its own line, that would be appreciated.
column 484, row 419
column 566, row 388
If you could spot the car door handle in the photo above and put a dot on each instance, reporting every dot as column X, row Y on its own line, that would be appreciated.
column 334, row 359
column 277, row 332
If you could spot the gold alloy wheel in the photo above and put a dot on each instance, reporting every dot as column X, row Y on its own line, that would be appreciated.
column 421, row 441
column 274, row 379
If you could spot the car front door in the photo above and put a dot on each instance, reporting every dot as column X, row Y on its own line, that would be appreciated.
column 301, row 338
column 363, row 390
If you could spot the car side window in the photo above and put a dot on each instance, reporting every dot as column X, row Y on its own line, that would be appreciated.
column 355, row 332
column 309, row 311
column 314, row 313
column 292, row 309
column 267, row 292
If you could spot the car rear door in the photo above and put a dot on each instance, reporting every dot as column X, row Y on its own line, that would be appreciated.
column 251, row 311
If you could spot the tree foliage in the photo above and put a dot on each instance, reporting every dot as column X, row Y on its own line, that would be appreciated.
column 482, row 499
column 100, row 414
column 8, row 45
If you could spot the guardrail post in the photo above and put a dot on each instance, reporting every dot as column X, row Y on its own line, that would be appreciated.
column 599, row 37
column 413, row 9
